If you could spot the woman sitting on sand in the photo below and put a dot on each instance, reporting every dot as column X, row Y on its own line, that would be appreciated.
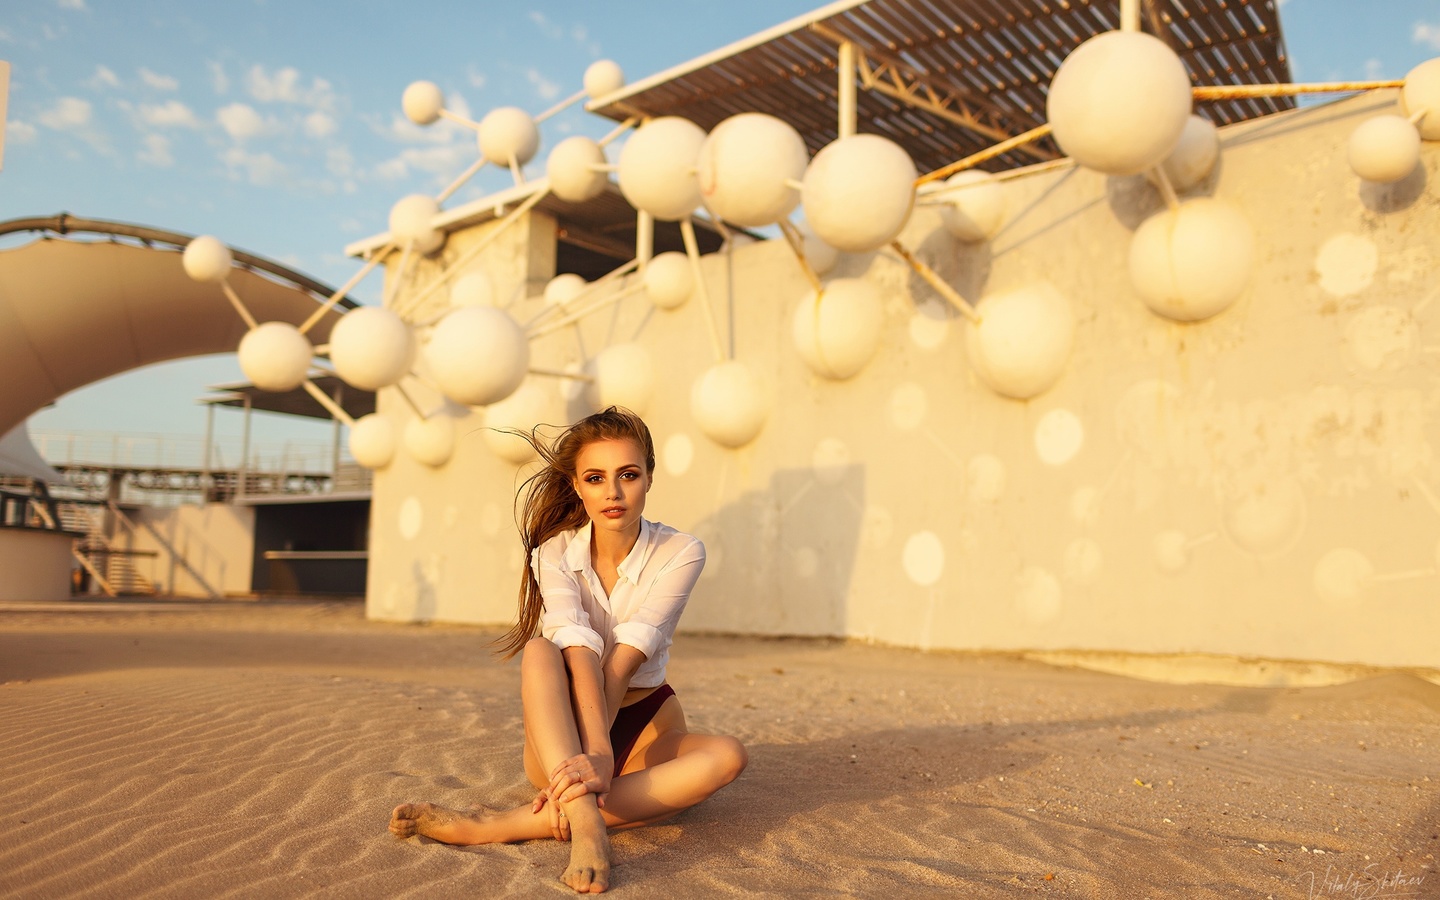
column 605, row 738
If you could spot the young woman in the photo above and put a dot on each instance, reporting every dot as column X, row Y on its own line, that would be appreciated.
column 605, row 738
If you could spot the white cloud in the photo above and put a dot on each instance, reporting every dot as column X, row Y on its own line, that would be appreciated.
column 6, row 37
column 1374, row 69
column 392, row 169
column 70, row 4
column 156, row 151
column 547, row 89
column 320, row 124
column 443, row 162
column 172, row 114
column 1426, row 33
column 18, row 132
column 258, row 168
column 476, row 79
column 339, row 161
column 284, row 86
column 547, row 28
column 157, row 81
column 218, row 79
column 242, row 122
column 103, row 78
column 68, row 114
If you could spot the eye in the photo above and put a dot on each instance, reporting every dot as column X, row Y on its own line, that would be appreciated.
column 629, row 476
column 594, row 479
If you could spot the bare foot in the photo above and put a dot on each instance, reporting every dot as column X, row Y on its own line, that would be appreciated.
column 440, row 823
column 589, row 869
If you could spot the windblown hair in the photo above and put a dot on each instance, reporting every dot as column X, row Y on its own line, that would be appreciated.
column 548, row 504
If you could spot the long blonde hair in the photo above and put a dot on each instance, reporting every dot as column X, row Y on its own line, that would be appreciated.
column 547, row 503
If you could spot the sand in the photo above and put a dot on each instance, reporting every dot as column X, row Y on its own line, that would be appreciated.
column 247, row 750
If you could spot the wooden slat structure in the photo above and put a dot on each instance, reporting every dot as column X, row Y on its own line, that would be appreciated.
column 947, row 78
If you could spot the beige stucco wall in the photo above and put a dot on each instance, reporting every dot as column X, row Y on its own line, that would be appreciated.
column 1288, row 442
column 214, row 543
column 35, row 565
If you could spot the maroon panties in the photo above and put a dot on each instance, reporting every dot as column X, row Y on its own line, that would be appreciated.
column 631, row 720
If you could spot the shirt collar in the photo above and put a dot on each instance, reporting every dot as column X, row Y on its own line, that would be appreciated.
column 577, row 554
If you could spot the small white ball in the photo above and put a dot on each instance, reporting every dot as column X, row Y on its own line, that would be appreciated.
column 974, row 206
column 858, row 192
column 411, row 221
column 838, row 331
column 657, row 168
column 669, row 280
column 571, row 169
column 1384, row 149
column 371, row 348
column 1193, row 262
column 372, row 441
column 206, row 259
column 1022, row 341
column 275, row 356
column 422, row 102
column 474, row 288
column 744, row 168
column 505, row 133
column 431, row 441
column 562, row 289
column 604, row 76
column 529, row 406
column 1119, row 102
column 1422, row 92
column 624, row 376
column 728, row 404
column 478, row 355
column 1194, row 156
column 821, row 256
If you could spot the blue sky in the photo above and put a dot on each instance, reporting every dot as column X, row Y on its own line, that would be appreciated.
column 277, row 126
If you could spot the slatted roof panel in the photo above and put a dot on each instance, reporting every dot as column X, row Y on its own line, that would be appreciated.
column 996, row 57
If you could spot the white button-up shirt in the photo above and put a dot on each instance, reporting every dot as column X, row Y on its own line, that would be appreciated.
column 654, row 583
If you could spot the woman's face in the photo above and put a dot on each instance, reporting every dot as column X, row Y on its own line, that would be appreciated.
column 611, row 480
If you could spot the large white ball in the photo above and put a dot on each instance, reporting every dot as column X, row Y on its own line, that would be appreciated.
column 858, row 192
column 1119, row 102
column 474, row 288
column 372, row 441
column 529, row 406
column 603, row 76
column 624, row 376
column 728, row 404
column 744, row 166
column 562, row 289
column 206, row 259
column 657, row 168
column 1422, row 92
column 1384, row 149
column 838, row 331
column 478, row 355
column 1022, row 340
column 974, row 206
column 571, row 169
column 1194, row 156
column 371, row 348
column 669, row 280
column 432, row 440
column 1192, row 262
column 275, row 356
column 422, row 102
column 506, row 133
column 411, row 221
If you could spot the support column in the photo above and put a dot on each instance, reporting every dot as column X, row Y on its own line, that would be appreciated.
column 845, row 89
column 242, row 473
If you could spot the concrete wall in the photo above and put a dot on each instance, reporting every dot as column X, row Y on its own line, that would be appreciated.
column 1262, row 483
column 214, row 543
column 35, row 565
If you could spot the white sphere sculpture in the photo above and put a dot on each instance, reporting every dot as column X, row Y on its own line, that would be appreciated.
column 974, row 206
column 527, row 407
column 1119, row 102
column 1192, row 262
column 1022, row 340
column 431, row 441
column 206, row 259
column 838, row 331
column 422, row 102
column 1384, row 149
column 478, row 355
column 410, row 223
column 744, row 168
column 656, row 168
column 858, row 192
column 624, row 376
column 604, row 76
column 372, row 441
column 562, row 289
column 669, row 280
column 1194, row 156
column 371, row 348
column 275, row 356
column 507, row 133
column 474, row 288
column 571, row 169
column 1422, row 93
column 821, row 256
column 728, row 404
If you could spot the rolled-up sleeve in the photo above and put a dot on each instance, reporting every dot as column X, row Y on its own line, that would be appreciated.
column 652, row 627
column 564, row 622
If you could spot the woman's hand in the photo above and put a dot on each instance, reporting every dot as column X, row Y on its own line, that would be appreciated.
column 559, row 823
column 587, row 773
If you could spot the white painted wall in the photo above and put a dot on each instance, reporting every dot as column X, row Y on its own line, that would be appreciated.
column 216, row 543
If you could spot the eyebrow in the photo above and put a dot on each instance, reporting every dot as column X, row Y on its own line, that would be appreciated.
column 623, row 468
